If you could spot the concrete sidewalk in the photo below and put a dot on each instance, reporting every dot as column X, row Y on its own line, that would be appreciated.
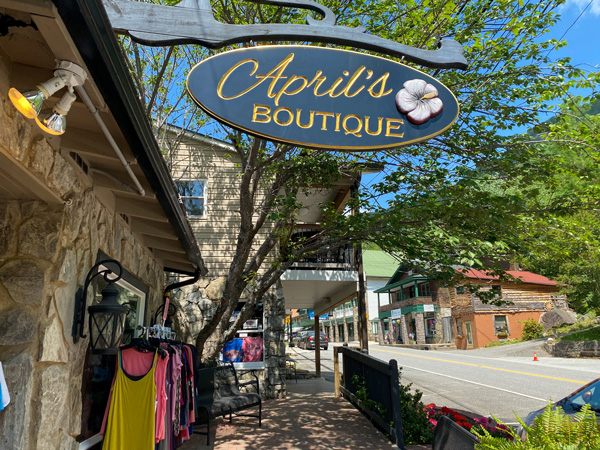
column 310, row 418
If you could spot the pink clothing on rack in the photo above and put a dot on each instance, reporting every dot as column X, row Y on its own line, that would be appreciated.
column 192, row 410
column 176, row 373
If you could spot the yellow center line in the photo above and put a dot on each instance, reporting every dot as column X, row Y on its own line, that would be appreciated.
column 483, row 367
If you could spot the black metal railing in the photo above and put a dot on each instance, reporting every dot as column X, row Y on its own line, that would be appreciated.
column 364, row 375
column 341, row 258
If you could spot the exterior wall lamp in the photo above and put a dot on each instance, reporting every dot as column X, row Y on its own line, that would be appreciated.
column 30, row 102
column 107, row 318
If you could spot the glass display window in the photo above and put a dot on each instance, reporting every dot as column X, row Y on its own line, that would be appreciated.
column 246, row 350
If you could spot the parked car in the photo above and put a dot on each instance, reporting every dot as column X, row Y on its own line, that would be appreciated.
column 572, row 403
column 307, row 341
column 297, row 337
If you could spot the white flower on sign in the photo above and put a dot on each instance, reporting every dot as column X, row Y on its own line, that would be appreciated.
column 419, row 101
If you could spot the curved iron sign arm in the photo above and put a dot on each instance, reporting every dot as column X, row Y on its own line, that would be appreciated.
column 192, row 22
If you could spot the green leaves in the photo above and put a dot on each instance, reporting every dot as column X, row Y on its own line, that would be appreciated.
column 505, row 182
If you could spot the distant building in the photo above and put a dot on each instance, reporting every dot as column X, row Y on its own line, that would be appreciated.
column 425, row 311
column 477, row 324
column 342, row 325
column 419, row 311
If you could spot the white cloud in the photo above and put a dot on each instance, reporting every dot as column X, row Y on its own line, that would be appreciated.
column 593, row 9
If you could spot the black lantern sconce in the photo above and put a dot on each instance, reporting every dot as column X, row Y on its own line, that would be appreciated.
column 107, row 318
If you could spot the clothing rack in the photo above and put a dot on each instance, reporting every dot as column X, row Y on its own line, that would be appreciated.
column 174, row 404
column 157, row 331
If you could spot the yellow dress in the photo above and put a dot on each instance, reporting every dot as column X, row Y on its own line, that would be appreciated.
column 131, row 416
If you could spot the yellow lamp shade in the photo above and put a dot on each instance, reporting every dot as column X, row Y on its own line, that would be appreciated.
column 29, row 104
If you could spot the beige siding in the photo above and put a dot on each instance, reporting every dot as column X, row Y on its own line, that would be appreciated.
column 217, row 233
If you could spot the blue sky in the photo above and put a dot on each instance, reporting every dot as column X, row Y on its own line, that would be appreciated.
column 580, row 27
column 582, row 32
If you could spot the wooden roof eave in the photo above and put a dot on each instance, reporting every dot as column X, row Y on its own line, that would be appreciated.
column 88, row 25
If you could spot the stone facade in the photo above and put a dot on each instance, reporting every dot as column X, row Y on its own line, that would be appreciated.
column 196, row 305
column 46, row 250
column 573, row 349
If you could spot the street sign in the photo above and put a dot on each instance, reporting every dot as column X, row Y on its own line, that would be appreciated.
column 321, row 97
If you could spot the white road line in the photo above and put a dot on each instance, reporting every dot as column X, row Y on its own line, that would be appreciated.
column 474, row 382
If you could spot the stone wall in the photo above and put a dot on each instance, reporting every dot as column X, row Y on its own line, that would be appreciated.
column 196, row 305
column 573, row 349
column 46, row 251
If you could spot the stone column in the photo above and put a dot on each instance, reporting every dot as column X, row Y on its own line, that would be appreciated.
column 334, row 331
column 355, row 320
column 274, row 385
column 420, row 328
column 404, row 329
column 380, row 331
column 345, row 329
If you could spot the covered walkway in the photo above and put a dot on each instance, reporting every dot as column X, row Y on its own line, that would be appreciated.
column 310, row 418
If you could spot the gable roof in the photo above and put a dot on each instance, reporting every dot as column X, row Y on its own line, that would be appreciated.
column 378, row 263
column 523, row 275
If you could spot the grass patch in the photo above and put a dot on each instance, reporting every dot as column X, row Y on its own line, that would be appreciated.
column 590, row 323
column 592, row 334
column 507, row 342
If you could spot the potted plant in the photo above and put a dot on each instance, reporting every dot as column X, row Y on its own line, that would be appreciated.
column 503, row 334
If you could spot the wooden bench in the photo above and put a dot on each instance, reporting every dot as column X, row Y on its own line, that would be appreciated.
column 219, row 395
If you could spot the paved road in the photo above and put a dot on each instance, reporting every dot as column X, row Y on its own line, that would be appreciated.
column 495, row 381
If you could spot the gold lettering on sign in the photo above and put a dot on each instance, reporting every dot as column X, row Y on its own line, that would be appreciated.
column 352, row 124
column 382, row 92
column 325, row 116
column 261, row 110
column 389, row 126
column 310, row 119
column 287, row 84
column 289, row 120
column 347, row 85
column 233, row 68
column 355, row 131
column 379, row 122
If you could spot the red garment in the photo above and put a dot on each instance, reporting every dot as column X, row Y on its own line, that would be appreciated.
column 192, row 400
column 252, row 349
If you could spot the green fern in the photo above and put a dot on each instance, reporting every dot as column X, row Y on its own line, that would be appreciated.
column 551, row 430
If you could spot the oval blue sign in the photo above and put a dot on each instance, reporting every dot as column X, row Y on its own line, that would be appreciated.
column 320, row 97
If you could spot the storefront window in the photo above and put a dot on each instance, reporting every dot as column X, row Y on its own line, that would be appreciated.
column 500, row 325
column 246, row 351
column 429, row 326
column 459, row 330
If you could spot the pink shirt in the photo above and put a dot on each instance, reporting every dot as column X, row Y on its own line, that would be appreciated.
column 252, row 349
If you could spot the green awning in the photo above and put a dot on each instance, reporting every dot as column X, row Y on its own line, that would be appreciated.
column 408, row 310
column 388, row 288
